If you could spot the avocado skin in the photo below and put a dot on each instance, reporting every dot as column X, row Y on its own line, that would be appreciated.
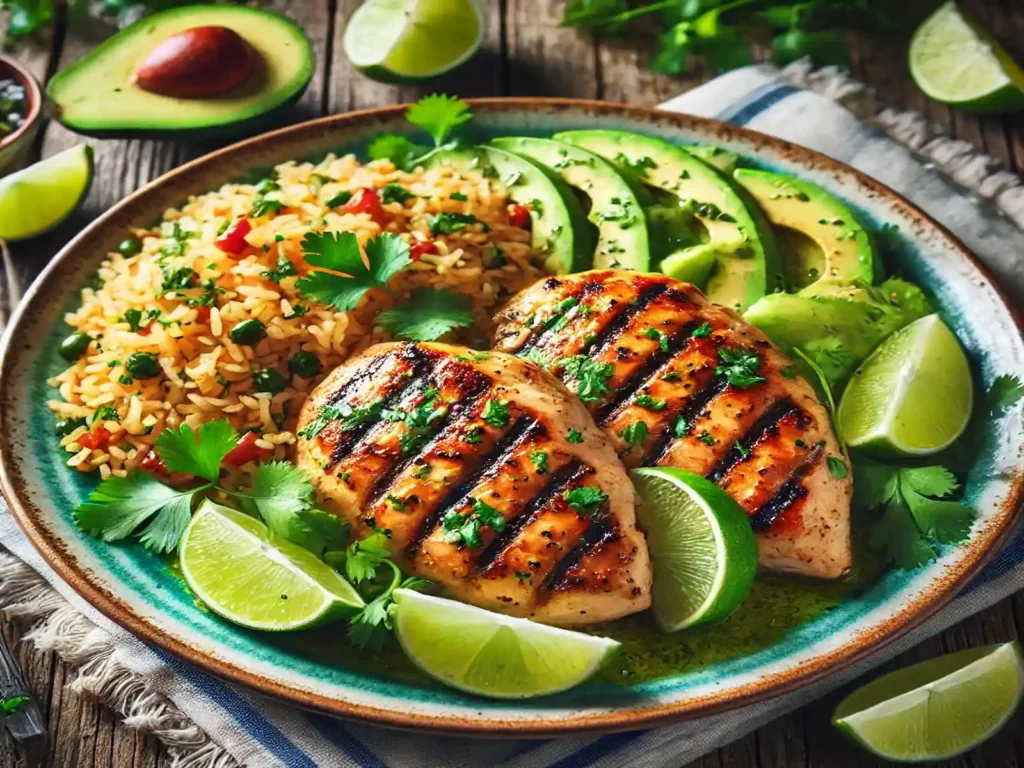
column 848, row 257
column 277, row 101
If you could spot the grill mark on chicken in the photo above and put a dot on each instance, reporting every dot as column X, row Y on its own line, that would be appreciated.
column 676, row 345
column 472, row 394
column 523, row 430
column 689, row 412
column 788, row 494
column 559, row 577
column 557, row 483
column 775, row 412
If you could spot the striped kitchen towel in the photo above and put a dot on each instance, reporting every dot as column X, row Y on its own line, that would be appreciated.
column 211, row 724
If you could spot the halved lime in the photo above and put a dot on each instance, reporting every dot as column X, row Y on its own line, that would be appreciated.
column 956, row 62
column 38, row 198
column 230, row 562
column 703, row 551
column 494, row 655
column 912, row 397
column 938, row 708
column 409, row 40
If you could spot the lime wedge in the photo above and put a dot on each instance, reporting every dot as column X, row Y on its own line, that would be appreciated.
column 231, row 564
column 410, row 40
column 956, row 62
column 41, row 196
column 493, row 655
column 938, row 708
column 703, row 551
column 912, row 397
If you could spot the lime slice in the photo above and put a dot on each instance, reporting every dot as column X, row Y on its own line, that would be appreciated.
column 493, row 655
column 41, row 196
column 912, row 397
column 409, row 40
column 955, row 61
column 703, row 551
column 938, row 708
column 231, row 564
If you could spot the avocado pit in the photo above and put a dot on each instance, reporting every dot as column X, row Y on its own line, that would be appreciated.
column 197, row 63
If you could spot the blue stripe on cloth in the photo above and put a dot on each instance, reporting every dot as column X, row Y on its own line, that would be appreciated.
column 756, row 102
column 594, row 751
column 257, row 726
column 335, row 732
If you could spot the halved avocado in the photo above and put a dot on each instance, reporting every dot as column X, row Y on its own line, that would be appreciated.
column 746, row 266
column 559, row 227
column 614, row 209
column 821, row 242
column 96, row 95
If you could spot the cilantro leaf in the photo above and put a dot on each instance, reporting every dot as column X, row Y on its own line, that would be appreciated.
column 196, row 453
column 465, row 529
column 1003, row 395
column 119, row 505
column 428, row 314
column 393, row 192
column 387, row 255
column 936, row 481
column 585, row 499
column 370, row 628
column 591, row 376
column 635, row 434
column 398, row 149
column 439, row 114
column 364, row 557
column 740, row 366
column 12, row 704
column 280, row 493
column 837, row 467
column 447, row 223
column 495, row 413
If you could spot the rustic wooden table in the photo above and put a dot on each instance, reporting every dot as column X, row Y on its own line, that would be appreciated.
column 526, row 53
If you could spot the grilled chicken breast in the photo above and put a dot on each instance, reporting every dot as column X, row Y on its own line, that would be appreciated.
column 488, row 475
column 678, row 381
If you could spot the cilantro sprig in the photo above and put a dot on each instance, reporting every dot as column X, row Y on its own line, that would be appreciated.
column 438, row 115
column 428, row 314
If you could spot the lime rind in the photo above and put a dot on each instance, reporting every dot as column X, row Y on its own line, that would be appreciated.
column 242, row 573
column 36, row 199
column 973, row 692
column 490, row 654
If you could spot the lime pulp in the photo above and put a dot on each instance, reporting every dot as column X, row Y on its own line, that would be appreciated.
column 493, row 655
column 38, row 198
column 233, row 566
column 410, row 40
column 936, row 709
column 703, row 551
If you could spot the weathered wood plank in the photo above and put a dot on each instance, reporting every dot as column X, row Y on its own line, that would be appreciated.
column 546, row 59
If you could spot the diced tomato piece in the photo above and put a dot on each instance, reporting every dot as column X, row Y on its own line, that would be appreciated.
column 203, row 315
column 245, row 450
column 367, row 201
column 418, row 250
column 232, row 242
column 153, row 463
column 146, row 329
column 98, row 438
column 519, row 216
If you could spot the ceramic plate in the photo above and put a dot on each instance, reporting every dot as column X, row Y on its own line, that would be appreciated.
column 138, row 590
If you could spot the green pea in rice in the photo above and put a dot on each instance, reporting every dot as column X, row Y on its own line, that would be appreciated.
column 204, row 375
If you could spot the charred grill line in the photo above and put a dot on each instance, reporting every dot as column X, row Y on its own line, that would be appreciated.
column 697, row 403
column 617, row 324
column 768, row 420
column 557, row 482
column 524, row 429
column 788, row 494
column 472, row 394
column 559, row 576
column 653, row 364
column 420, row 366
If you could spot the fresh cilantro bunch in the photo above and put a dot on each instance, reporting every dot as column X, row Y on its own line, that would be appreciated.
column 281, row 496
column 720, row 31
column 343, row 278
column 438, row 115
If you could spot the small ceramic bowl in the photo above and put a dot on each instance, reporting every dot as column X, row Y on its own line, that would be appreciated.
column 15, row 144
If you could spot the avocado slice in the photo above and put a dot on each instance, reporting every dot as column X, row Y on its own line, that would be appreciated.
column 559, row 227
column 614, row 209
column 718, row 158
column 96, row 96
column 746, row 266
column 821, row 242
column 839, row 330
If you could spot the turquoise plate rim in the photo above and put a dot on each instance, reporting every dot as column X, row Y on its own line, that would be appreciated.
column 412, row 706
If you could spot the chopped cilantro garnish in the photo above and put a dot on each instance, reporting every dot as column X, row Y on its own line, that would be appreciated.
column 646, row 401
column 474, row 436
column 585, row 499
column 495, row 413
column 706, row 438
column 701, row 331
column 282, row 269
column 465, row 529
column 393, row 192
column 681, row 427
column 635, row 434
column 339, row 199
column 591, row 376
column 740, row 366
column 459, row 196
column 742, row 450
column 396, row 503
column 837, row 467
column 573, row 436
column 447, row 223
column 540, row 461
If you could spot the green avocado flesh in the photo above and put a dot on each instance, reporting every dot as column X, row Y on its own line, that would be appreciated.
column 820, row 241
column 745, row 266
column 96, row 96
column 559, row 227
column 718, row 158
column 614, row 209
